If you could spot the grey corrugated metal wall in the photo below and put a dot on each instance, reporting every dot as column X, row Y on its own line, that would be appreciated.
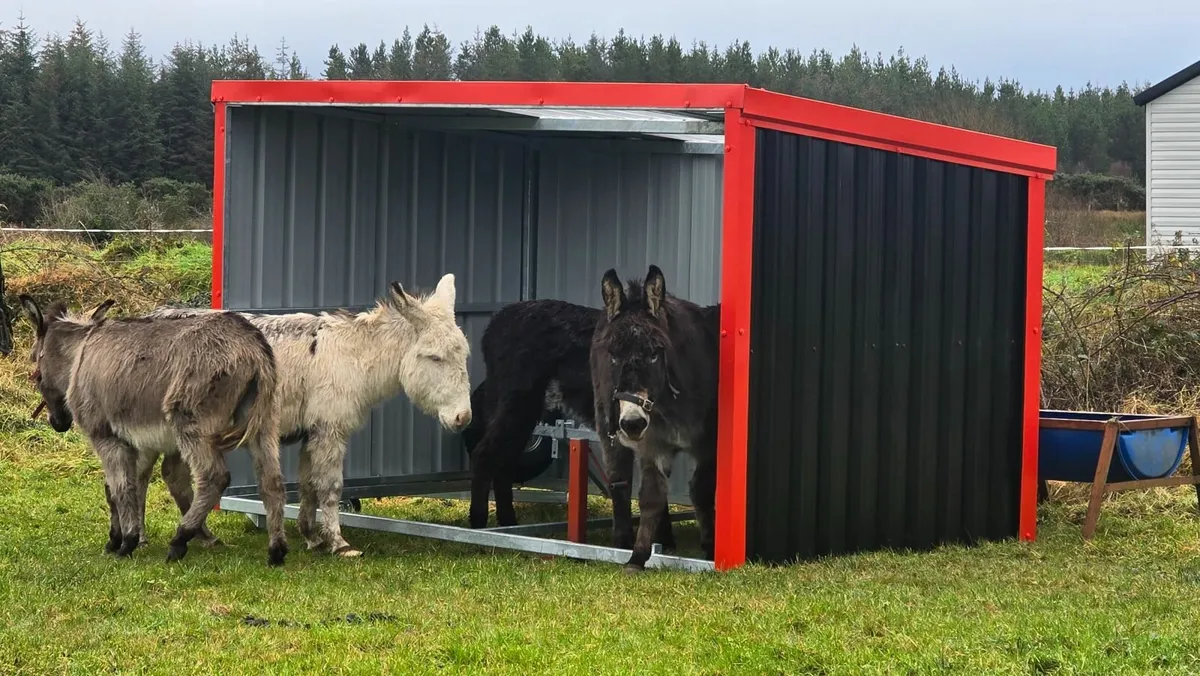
column 323, row 209
column 599, row 209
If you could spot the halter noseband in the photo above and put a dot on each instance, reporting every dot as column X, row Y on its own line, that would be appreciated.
column 646, row 403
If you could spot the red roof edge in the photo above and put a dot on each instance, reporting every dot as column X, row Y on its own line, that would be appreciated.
column 901, row 134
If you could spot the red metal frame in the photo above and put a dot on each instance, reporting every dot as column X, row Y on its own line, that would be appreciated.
column 733, row 388
column 1027, row 527
column 218, row 214
column 441, row 93
column 577, row 491
column 746, row 109
column 833, row 122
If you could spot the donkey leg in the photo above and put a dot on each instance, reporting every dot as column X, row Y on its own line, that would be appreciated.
column 145, row 471
column 211, row 477
column 178, row 479
column 265, row 452
column 328, row 452
column 704, row 496
column 114, row 521
column 498, row 452
column 119, row 460
column 652, row 501
column 307, row 519
column 619, row 463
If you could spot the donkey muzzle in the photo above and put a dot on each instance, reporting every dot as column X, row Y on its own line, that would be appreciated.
column 633, row 414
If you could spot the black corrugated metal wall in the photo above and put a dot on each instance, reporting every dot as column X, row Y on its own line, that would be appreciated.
column 886, row 350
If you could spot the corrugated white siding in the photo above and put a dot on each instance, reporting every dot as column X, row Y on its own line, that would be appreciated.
column 1173, row 166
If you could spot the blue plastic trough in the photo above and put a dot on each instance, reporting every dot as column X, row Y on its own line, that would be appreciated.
column 1072, row 454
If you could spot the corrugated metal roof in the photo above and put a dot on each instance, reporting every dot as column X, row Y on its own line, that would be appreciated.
column 624, row 114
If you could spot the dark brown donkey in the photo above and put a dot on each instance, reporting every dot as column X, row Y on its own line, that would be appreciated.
column 196, row 386
column 654, row 362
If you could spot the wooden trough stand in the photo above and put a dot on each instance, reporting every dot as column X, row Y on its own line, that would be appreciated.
column 1079, row 447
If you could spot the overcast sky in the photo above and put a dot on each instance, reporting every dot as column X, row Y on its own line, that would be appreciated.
column 1042, row 43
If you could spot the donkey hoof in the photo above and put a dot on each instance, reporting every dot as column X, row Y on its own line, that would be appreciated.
column 276, row 554
column 128, row 544
column 176, row 552
column 212, row 543
column 633, row 569
column 348, row 552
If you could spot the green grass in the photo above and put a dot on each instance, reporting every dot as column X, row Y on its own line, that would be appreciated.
column 1119, row 604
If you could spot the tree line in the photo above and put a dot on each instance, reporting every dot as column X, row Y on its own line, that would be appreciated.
column 75, row 107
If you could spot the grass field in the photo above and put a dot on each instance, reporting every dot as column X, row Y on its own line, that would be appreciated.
column 1118, row 604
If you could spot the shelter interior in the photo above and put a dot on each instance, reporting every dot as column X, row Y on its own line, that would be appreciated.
column 324, row 205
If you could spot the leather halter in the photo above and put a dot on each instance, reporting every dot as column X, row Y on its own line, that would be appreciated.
column 645, row 403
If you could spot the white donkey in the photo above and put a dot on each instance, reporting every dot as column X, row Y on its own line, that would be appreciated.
column 334, row 367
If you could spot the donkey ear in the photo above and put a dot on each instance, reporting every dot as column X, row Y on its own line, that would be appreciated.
column 612, row 292
column 102, row 309
column 655, row 288
column 33, row 312
column 445, row 288
column 399, row 297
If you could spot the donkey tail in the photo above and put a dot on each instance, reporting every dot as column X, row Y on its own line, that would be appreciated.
column 254, row 413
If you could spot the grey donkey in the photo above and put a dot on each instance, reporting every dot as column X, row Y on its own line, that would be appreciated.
column 335, row 367
column 192, row 389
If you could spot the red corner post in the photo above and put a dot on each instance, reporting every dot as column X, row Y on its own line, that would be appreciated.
column 218, row 213
column 1033, row 358
column 733, row 391
column 577, row 485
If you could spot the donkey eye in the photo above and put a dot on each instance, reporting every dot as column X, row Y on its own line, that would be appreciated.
column 613, row 360
column 435, row 358
column 653, row 359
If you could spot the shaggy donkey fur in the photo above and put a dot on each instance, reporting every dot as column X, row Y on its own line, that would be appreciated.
column 197, row 387
column 654, row 361
column 536, row 356
column 333, row 368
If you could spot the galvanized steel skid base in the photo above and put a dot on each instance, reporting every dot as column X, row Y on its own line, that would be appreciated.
column 484, row 537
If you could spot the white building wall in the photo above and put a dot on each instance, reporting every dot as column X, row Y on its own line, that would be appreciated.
column 1173, row 166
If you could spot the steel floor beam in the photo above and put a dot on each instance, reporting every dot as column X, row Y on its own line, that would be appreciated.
column 485, row 538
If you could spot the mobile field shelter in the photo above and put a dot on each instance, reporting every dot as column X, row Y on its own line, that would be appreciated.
column 880, row 281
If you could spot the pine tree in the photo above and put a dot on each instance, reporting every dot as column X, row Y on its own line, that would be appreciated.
column 279, row 68
column 596, row 52
column 48, row 144
column 296, row 70
column 536, row 61
column 18, row 79
column 400, row 59
column 379, row 61
column 81, row 106
column 361, row 67
column 572, row 61
column 133, row 119
column 627, row 59
column 243, row 61
column 335, row 65
column 185, row 116
column 432, row 55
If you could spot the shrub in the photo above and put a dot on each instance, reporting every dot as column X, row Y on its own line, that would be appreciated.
column 177, row 202
column 1100, row 191
column 23, row 198
column 1130, row 331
